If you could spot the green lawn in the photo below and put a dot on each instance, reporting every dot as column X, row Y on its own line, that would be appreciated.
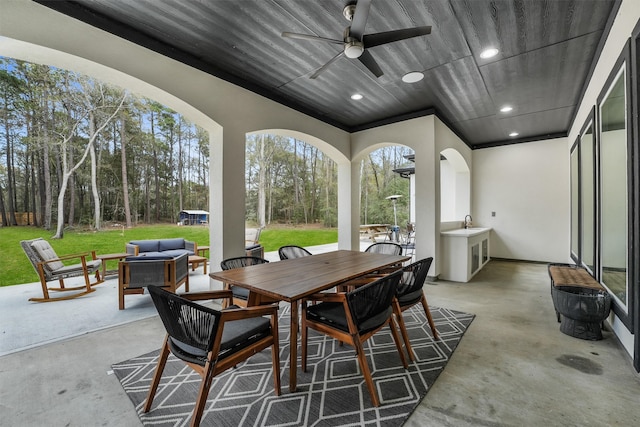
column 16, row 269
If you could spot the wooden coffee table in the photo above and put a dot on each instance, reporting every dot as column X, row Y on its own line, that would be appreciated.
column 110, row 257
column 195, row 261
column 202, row 250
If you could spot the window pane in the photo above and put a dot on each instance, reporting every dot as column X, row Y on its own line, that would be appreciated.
column 613, row 160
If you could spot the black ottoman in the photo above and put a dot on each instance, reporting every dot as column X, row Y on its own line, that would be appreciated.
column 582, row 309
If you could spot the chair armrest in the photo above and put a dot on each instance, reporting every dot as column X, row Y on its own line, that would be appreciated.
column 66, row 257
column 326, row 297
column 362, row 280
column 191, row 246
column 131, row 249
column 199, row 296
column 253, row 311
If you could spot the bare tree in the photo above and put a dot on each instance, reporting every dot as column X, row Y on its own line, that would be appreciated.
column 67, row 171
column 123, row 169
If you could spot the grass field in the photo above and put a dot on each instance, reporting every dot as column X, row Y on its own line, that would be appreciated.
column 16, row 269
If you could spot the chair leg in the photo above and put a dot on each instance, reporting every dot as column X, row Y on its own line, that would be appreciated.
column 423, row 300
column 162, row 360
column 225, row 301
column 364, row 367
column 48, row 298
column 397, row 311
column 303, row 339
column 275, row 360
column 396, row 338
column 207, row 379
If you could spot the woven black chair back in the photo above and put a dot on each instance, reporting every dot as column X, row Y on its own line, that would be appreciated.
column 241, row 261
column 292, row 251
column 414, row 276
column 370, row 305
column 186, row 321
column 386, row 248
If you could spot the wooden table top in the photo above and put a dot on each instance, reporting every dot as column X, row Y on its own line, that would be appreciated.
column 293, row 279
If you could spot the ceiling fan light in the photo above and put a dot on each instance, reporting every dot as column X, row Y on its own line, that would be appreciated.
column 489, row 53
column 353, row 49
column 412, row 77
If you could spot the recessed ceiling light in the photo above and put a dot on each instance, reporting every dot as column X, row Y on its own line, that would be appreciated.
column 412, row 77
column 514, row 134
column 356, row 96
column 506, row 109
column 489, row 53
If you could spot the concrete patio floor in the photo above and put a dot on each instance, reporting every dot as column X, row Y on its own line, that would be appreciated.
column 513, row 367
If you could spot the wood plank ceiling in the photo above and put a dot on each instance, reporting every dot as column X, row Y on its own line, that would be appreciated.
column 546, row 48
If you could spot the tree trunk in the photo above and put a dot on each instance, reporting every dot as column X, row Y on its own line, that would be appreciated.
column 94, row 169
column 5, row 221
column 46, row 172
column 155, row 169
column 123, row 169
column 180, row 169
column 262, row 183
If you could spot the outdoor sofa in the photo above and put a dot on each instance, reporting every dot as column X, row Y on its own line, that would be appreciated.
column 157, row 262
column 169, row 248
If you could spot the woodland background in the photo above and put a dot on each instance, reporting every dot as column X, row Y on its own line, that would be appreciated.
column 75, row 152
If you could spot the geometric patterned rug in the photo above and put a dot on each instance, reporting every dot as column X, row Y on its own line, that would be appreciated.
column 331, row 393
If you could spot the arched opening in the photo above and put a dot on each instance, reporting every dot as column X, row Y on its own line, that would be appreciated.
column 386, row 192
column 455, row 186
column 290, row 180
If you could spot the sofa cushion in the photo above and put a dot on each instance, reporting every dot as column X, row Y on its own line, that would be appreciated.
column 46, row 253
column 170, row 244
column 149, row 256
column 146, row 245
column 176, row 253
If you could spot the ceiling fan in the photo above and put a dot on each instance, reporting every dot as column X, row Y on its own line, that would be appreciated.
column 355, row 41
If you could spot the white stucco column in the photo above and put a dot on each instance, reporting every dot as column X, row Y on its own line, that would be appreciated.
column 226, row 195
column 427, row 194
column 347, row 221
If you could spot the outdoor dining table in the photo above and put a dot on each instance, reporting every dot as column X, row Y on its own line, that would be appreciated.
column 292, row 280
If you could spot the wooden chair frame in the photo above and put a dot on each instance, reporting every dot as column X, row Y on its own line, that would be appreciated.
column 243, row 261
column 353, row 336
column 214, row 366
column 419, row 277
column 46, row 274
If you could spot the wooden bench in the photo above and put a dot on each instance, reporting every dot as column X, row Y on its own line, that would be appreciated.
column 374, row 230
column 581, row 300
column 572, row 275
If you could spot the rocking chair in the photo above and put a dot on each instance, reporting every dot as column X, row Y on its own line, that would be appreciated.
column 49, row 266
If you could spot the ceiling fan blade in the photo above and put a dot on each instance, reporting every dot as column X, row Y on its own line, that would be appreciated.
column 325, row 66
column 372, row 40
column 359, row 20
column 368, row 61
column 310, row 37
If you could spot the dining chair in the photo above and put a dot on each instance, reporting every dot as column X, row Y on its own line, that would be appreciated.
column 410, row 293
column 211, row 341
column 408, row 242
column 386, row 248
column 49, row 266
column 240, row 295
column 292, row 251
column 352, row 318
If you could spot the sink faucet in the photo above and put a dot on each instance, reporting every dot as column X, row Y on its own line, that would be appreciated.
column 467, row 221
